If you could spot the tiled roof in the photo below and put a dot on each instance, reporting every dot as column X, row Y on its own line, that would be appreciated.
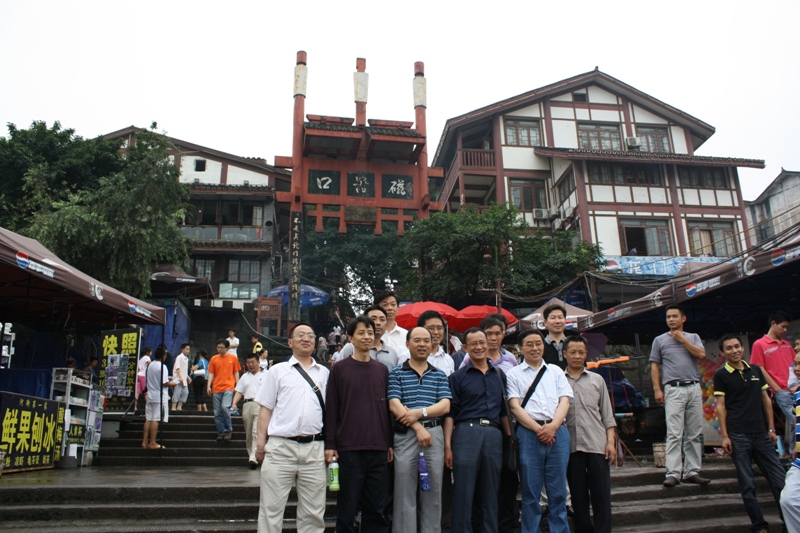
column 397, row 132
column 658, row 157
column 231, row 244
column 332, row 127
column 231, row 188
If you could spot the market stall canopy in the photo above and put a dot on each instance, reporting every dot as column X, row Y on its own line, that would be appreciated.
column 170, row 280
column 735, row 296
column 310, row 296
column 536, row 319
column 471, row 316
column 36, row 287
column 408, row 314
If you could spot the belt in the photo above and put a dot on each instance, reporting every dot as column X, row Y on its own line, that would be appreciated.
column 305, row 439
column 481, row 422
column 431, row 422
column 681, row 383
column 542, row 422
column 250, row 400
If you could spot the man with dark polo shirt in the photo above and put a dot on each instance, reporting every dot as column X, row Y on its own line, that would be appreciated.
column 473, row 436
column 555, row 321
column 673, row 359
column 379, row 350
column 358, row 433
column 742, row 407
column 419, row 395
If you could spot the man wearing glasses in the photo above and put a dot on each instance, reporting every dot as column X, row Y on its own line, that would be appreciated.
column 473, row 436
column 292, row 416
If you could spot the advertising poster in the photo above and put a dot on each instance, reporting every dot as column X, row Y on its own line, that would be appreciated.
column 33, row 429
column 118, row 367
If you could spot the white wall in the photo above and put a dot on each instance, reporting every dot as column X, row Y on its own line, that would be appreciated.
column 565, row 134
column 598, row 95
column 238, row 175
column 608, row 235
column 521, row 157
column 212, row 174
column 605, row 115
column 646, row 117
column 530, row 111
column 678, row 140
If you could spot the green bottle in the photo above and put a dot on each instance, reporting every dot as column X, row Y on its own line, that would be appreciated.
column 333, row 477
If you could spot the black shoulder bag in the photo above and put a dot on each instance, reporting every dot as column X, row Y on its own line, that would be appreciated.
column 314, row 387
column 511, row 443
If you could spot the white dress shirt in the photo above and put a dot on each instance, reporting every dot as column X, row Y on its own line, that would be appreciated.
column 233, row 341
column 249, row 384
column 442, row 361
column 397, row 340
column 295, row 408
column 552, row 386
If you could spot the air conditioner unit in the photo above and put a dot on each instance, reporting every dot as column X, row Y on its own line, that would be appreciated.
column 570, row 212
column 557, row 224
column 553, row 214
column 633, row 142
column 246, row 183
column 541, row 214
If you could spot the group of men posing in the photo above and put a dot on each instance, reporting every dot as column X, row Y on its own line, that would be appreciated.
column 458, row 419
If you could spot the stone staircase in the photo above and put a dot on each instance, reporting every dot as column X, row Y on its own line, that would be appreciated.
column 200, row 485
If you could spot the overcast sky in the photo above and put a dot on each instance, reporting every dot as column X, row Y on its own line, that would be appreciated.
column 220, row 74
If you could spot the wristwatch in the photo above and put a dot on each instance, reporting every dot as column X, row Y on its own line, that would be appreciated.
column 772, row 431
column 424, row 412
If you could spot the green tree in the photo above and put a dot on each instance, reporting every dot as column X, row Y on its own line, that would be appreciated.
column 462, row 254
column 353, row 265
column 115, row 230
column 63, row 163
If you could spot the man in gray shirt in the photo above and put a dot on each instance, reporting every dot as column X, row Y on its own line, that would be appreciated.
column 673, row 359
column 380, row 351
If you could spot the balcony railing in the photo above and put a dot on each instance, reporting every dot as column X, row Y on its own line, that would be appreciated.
column 471, row 157
column 228, row 233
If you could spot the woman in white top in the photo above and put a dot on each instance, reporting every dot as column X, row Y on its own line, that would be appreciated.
column 141, row 368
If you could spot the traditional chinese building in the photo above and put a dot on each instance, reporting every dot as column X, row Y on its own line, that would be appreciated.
column 594, row 154
column 355, row 171
column 776, row 209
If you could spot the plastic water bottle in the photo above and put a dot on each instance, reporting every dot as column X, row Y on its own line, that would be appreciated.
column 333, row 476
column 424, row 481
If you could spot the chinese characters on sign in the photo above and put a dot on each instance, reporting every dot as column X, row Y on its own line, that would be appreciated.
column 324, row 182
column 397, row 186
column 32, row 431
column 118, row 367
column 361, row 184
column 295, row 230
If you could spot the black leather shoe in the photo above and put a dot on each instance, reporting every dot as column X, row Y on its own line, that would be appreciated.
column 671, row 482
column 697, row 479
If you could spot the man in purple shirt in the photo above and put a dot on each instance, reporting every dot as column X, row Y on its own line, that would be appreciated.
column 358, row 432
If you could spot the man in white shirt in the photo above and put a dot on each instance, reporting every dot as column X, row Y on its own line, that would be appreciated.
column 141, row 380
column 247, row 388
column 543, row 437
column 434, row 323
column 380, row 350
column 291, row 414
column 233, row 342
column 394, row 335
column 180, row 374
column 157, row 408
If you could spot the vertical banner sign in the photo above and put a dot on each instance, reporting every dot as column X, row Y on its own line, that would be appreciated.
column 118, row 367
column 33, row 430
column 294, row 266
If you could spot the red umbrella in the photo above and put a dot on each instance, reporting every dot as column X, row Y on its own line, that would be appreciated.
column 470, row 317
column 408, row 314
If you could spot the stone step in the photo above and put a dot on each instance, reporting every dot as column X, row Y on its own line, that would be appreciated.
column 179, row 442
column 736, row 522
column 164, row 526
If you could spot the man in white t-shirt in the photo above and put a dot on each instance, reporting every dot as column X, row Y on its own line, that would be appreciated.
column 233, row 342
column 394, row 335
column 141, row 367
column 180, row 374
column 157, row 398
column 247, row 388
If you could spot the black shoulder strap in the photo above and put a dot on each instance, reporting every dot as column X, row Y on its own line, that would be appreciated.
column 533, row 386
column 314, row 386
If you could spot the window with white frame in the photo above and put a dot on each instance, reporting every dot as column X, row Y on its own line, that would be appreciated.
column 713, row 239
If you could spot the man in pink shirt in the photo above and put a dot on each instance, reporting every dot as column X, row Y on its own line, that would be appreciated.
column 775, row 355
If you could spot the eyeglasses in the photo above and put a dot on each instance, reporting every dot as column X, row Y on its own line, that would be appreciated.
column 301, row 336
column 475, row 344
column 435, row 328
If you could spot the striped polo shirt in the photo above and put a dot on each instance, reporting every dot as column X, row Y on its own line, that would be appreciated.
column 796, row 462
column 418, row 391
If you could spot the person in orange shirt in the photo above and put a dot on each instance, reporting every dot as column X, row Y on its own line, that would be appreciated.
column 223, row 376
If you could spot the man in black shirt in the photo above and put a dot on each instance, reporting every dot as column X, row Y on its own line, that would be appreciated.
column 742, row 408
column 555, row 321
column 473, row 436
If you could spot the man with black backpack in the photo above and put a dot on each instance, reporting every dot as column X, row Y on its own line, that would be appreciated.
column 292, row 415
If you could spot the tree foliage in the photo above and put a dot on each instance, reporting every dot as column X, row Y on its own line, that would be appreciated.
column 116, row 229
column 462, row 254
column 353, row 265
column 63, row 163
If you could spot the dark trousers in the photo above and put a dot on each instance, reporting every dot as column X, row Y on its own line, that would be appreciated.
column 447, row 497
column 589, row 479
column 364, row 483
column 477, row 460
column 507, row 505
column 747, row 448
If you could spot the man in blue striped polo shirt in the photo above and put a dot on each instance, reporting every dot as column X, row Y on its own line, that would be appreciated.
column 790, row 497
column 419, row 395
